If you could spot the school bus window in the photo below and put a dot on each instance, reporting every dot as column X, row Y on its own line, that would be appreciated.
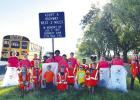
column 6, row 37
column 24, row 45
column 15, row 44
column 25, row 39
column 23, row 52
column 4, row 54
column 5, row 43
column 17, row 53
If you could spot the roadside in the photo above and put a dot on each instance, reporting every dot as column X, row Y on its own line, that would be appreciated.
column 2, row 69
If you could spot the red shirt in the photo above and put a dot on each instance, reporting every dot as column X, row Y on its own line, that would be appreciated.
column 63, row 63
column 61, row 78
column 57, row 58
column 70, row 75
column 25, row 62
column 70, row 72
column 85, row 66
column 103, row 64
column 117, row 61
column 49, row 76
column 13, row 61
column 73, row 61
column 49, row 60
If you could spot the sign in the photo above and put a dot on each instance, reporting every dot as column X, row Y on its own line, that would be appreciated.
column 54, row 69
column 52, row 25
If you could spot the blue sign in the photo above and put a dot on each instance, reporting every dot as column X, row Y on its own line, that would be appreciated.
column 52, row 25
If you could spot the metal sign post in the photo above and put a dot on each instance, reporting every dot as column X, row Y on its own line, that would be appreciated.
column 52, row 25
column 53, row 46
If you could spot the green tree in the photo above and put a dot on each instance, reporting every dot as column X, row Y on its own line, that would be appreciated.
column 115, row 28
column 127, row 24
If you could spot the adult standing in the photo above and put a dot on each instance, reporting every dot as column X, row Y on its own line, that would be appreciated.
column 57, row 57
column 118, row 75
column 11, row 75
column 104, row 71
column 117, row 60
column 13, row 60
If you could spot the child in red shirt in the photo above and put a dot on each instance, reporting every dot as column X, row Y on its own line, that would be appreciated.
column 92, row 75
column 62, row 80
column 71, row 71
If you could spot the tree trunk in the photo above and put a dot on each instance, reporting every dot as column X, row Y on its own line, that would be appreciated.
column 125, row 56
column 104, row 53
column 98, row 54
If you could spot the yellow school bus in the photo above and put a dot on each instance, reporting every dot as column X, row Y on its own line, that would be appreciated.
column 17, row 43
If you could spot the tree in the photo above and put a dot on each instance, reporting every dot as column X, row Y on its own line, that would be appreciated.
column 127, row 24
column 115, row 28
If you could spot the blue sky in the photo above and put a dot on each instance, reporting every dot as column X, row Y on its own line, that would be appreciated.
column 20, row 17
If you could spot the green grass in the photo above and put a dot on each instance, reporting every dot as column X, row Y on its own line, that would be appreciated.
column 12, row 93
column 6, row 90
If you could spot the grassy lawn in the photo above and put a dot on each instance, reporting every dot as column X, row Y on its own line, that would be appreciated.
column 12, row 93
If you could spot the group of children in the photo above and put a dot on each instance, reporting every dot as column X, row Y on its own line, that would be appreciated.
column 76, row 77
column 29, row 72
column 29, row 78
column 72, row 76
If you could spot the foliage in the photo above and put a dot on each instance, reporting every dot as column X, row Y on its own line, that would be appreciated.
column 115, row 28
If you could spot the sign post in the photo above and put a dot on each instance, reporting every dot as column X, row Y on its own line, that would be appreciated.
column 53, row 46
column 52, row 25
